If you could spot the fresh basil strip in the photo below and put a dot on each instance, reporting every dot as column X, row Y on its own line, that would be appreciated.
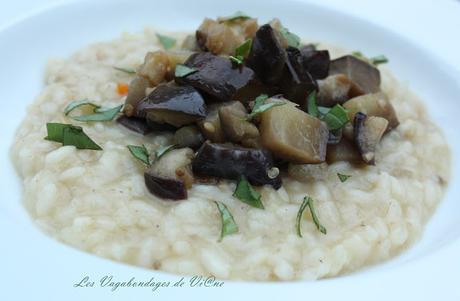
column 79, row 103
column 336, row 117
column 159, row 152
column 166, row 41
column 140, row 153
column 380, row 59
column 100, row 114
column 68, row 134
column 311, row 105
column 125, row 70
column 292, row 39
column 343, row 177
column 308, row 201
column 182, row 70
column 228, row 223
column 238, row 15
column 247, row 194
column 260, row 106
column 323, row 110
column 244, row 49
column 236, row 59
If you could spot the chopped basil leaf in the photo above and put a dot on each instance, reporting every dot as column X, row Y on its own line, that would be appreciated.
column 68, row 134
column 358, row 54
column 159, row 152
column 166, row 41
column 292, row 39
column 260, row 106
column 343, row 177
column 79, row 103
column 236, row 59
column 380, row 59
column 244, row 49
column 140, row 153
column 308, row 201
column 336, row 118
column 238, row 15
column 183, row 71
column 100, row 114
column 311, row 105
column 228, row 223
column 247, row 194
column 125, row 70
column 323, row 110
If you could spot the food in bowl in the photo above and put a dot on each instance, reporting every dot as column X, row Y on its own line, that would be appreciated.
column 237, row 151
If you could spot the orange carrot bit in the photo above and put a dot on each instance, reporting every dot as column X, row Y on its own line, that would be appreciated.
column 122, row 89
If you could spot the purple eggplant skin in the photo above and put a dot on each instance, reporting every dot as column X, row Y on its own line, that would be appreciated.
column 335, row 137
column 216, row 76
column 297, row 83
column 267, row 57
column 166, row 188
column 230, row 162
column 135, row 124
column 316, row 62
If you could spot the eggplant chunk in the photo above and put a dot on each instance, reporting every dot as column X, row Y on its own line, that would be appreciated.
column 188, row 136
column 172, row 104
column 210, row 126
column 336, row 89
column 308, row 172
column 297, row 83
column 171, row 175
column 376, row 104
column 231, row 162
column 136, row 92
column 316, row 62
column 364, row 75
column 294, row 135
column 343, row 151
column 367, row 134
column 135, row 124
column 155, row 68
column 235, row 127
column 216, row 76
column 267, row 57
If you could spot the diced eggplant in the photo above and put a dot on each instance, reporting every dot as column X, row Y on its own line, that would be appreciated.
column 336, row 89
column 267, row 57
column 308, row 172
column 210, row 126
column 216, row 76
column 343, row 151
column 232, row 121
column 177, row 57
column 294, row 135
column 190, row 43
column 367, row 134
column 376, row 104
column 231, row 162
column 188, row 136
column 316, row 62
column 296, row 83
column 334, row 137
column 364, row 75
column 155, row 68
column 135, row 124
column 136, row 92
column 172, row 104
column 171, row 175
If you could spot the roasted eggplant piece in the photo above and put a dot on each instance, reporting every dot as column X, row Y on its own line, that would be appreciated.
column 216, row 76
column 308, row 172
column 376, row 104
column 188, row 136
column 293, row 135
column 267, row 57
column 171, row 175
column 210, row 126
column 296, row 83
column 367, row 134
column 136, row 92
column 366, row 76
column 345, row 150
column 135, row 124
column 155, row 68
column 336, row 89
column 334, row 136
column 172, row 104
column 316, row 62
column 231, row 162
column 235, row 127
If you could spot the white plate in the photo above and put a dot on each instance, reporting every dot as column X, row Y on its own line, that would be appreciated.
column 40, row 268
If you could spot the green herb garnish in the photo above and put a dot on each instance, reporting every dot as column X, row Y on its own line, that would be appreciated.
column 159, row 152
column 323, row 110
column 308, row 201
column 183, row 71
column 336, row 117
column 228, row 223
column 343, row 177
column 247, row 194
column 311, row 105
column 241, row 52
column 125, row 70
column 166, row 41
column 140, row 153
column 68, row 134
column 238, row 15
column 236, row 59
column 79, row 103
column 380, row 59
column 292, row 39
column 100, row 114
column 260, row 106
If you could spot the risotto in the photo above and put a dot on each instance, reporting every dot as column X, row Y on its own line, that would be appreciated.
column 98, row 201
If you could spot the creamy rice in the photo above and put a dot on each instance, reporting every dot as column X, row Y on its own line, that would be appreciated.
column 97, row 200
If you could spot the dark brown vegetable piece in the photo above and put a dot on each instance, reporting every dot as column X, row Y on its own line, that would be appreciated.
column 336, row 89
column 231, row 162
column 267, row 57
column 135, row 124
column 367, row 134
column 216, row 76
column 316, row 62
column 172, row 104
column 173, row 189
column 343, row 151
column 235, row 127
